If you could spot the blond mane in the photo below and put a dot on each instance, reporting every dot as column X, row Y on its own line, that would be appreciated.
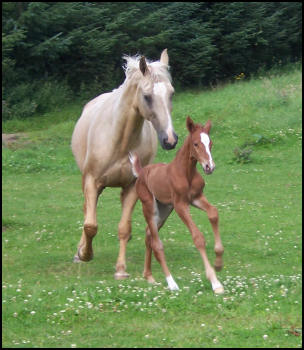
column 159, row 71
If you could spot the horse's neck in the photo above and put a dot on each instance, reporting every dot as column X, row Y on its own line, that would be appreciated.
column 129, row 121
column 184, row 162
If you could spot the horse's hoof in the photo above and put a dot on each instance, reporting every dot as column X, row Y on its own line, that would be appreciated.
column 79, row 258
column 76, row 259
column 121, row 275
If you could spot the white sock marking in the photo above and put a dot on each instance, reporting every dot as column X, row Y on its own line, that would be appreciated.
column 171, row 283
column 216, row 285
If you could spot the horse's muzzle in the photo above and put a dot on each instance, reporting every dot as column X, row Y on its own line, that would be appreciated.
column 164, row 140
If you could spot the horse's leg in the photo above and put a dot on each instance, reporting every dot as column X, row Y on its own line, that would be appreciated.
column 213, row 217
column 91, row 193
column 156, row 218
column 182, row 210
column 128, row 199
column 163, row 213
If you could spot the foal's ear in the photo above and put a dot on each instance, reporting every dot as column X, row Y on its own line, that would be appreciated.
column 164, row 58
column 143, row 65
column 190, row 124
column 207, row 126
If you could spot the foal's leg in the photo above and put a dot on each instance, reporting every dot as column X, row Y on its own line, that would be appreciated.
column 163, row 213
column 153, row 218
column 91, row 193
column 147, row 268
column 182, row 210
column 128, row 199
column 202, row 203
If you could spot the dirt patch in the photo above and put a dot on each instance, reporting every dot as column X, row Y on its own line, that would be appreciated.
column 10, row 139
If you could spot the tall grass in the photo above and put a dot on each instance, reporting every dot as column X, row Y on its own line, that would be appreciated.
column 50, row 302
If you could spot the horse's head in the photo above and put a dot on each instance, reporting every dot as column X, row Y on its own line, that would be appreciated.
column 201, row 144
column 154, row 99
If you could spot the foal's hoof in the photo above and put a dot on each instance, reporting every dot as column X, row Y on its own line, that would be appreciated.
column 121, row 275
column 150, row 279
column 219, row 290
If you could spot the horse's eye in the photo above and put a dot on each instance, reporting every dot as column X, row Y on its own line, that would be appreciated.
column 195, row 144
column 148, row 99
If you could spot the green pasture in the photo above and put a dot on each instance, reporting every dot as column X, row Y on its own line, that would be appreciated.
column 48, row 301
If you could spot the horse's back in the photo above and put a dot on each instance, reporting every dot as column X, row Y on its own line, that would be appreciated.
column 80, row 134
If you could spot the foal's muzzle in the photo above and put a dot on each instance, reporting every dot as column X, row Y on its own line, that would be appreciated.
column 208, row 169
column 164, row 140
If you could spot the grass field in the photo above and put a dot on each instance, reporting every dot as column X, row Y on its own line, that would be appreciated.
column 50, row 302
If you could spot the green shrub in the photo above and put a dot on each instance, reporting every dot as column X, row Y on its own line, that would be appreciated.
column 26, row 99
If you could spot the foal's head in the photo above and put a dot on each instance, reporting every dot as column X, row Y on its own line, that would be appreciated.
column 154, row 98
column 200, row 144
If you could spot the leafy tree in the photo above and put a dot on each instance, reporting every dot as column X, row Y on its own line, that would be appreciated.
column 79, row 45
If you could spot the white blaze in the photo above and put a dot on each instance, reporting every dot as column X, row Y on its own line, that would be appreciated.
column 160, row 90
column 206, row 141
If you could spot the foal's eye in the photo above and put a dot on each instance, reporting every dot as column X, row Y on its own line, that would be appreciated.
column 195, row 144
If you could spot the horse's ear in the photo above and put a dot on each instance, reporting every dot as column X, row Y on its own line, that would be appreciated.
column 143, row 65
column 190, row 124
column 164, row 58
column 207, row 126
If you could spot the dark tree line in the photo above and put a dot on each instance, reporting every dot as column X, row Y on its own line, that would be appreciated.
column 54, row 50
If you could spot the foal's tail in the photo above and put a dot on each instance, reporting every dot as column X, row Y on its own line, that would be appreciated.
column 135, row 162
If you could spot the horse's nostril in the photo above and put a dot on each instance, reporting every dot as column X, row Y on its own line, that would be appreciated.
column 167, row 143
column 175, row 137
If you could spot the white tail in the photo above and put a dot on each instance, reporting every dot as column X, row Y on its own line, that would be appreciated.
column 135, row 163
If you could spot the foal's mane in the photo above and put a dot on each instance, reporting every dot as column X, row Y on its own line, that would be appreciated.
column 159, row 71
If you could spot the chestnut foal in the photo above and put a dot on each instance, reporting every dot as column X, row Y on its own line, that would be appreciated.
column 162, row 187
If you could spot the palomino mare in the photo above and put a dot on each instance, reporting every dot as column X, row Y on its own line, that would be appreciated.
column 162, row 187
column 113, row 124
